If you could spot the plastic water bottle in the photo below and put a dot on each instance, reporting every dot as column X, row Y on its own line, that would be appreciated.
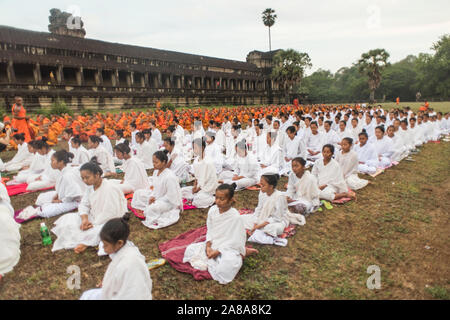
column 45, row 234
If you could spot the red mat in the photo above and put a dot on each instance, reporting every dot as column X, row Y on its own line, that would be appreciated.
column 20, row 221
column 22, row 189
column 173, row 251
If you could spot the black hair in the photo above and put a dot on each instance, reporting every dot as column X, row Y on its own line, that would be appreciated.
column 19, row 136
column 95, row 139
column 236, row 127
column 269, row 117
column 69, row 131
column 64, row 156
column 147, row 131
column 161, row 156
column 122, row 147
column 211, row 135
column 76, row 139
column 141, row 135
column 261, row 126
column 313, row 122
column 92, row 166
column 329, row 122
column 171, row 128
column 329, row 146
column 271, row 179
column 133, row 124
column 101, row 130
column 42, row 144
column 363, row 133
column 242, row 145
column 229, row 188
column 119, row 133
column 349, row 140
column 291, row 129
column 115, row 230
column 201, row 142
column 300, row 160
column 380, row 128
column 169, row 140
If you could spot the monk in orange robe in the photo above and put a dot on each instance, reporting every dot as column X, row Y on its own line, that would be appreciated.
column 19, row 120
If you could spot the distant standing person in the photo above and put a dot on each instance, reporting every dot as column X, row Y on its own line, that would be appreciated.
column 20, row 120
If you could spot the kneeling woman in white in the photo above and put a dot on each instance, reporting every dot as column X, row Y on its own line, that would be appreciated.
column 104, row 158
column 23, row 156
column 223, row 251
column 329, row 177
column 348, row 160
column 367, row 155
column 205, row 184
column 247, row 169
column 162, row 202
column 9, row 234
column 135, row 176
column 127, row 276
column 69, row 188
column 272, row 159
column 81, row 154
column 302, row 191
column 102, row 201
column 48, row 177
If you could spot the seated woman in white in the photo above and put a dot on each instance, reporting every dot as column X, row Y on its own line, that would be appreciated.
column 104, row 158
column 135, row 176
column 105, row 143
column 313, row 142
column 36, row 167
column 294, row 147
column 214, row 151
column 343, row 131
column 246, row 172
column 102, row 201
column 9, row 234
column 145, row 150
column 383, row 148
column 119, row 137
column 48, row 177
column 272, row 158
column 348, row 160
column 202, row 193
column 22, row 158
column 224, row 249
column 270, row 215
column 400, row 151
column 367, row 155
column 68, row 136
column 330, row 178
column 162, row 202
column 69, row 188
column 176, row 160
column 81, row 154
column 127, row 276
column 302, row 191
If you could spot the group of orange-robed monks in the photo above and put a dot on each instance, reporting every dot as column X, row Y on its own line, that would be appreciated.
column 86, row 125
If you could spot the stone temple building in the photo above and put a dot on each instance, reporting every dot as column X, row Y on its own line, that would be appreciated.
column 92, row 74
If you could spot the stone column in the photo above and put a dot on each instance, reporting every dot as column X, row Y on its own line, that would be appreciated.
column 60, row 75
column 130, row 79
column 98, row 77
column 145, row 79
column 80, row 76
column 10, row 72
column 182, row 82
column 37, row 73
column 115, row 78
column 171, row 82
column 159, row 82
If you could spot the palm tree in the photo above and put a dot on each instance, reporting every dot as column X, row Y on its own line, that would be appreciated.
column 269, row 18
column 372, row 64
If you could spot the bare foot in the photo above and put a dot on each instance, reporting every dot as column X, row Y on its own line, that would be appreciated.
column 250, row 251
column 352, row 195
column 80, row 248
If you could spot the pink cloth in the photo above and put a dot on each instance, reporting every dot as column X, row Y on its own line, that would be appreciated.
column 187, row 205
column 342, row 200
column 22, row 189
column 173, row 251
column 20, row 221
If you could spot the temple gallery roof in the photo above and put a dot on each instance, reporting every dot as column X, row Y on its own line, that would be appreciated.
column 50, row 40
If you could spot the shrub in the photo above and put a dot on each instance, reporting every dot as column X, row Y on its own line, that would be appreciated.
column 167, row 106
column 59, row 108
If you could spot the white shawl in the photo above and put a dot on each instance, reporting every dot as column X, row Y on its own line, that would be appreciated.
column 135, row 173
column 330, row 174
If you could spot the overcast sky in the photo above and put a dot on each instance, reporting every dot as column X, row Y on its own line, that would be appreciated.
column 333, row 33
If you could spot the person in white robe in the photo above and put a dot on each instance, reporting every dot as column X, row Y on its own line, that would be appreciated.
column 302, row 191
column 349, row 162
column 260, row 142
column 272, row 161
column 294, row 147
column 383, row 148
column 22, row 158
column 36, row 167
column 145, row 150
column 205, row 183
column 135, row 177
column 246, row 172
column 68, row 136
column 69, row 188
column 103, row 157
column 133, row 130
column 367, row 155
column 272, row 215
column 224, row 249
column 330, row 178
column 400, row 151
column 176, row 163
column 313, row 142
column 161, row 203
column 81, row 154
column 102, row 201
column 156, row 134
column 127, row 276
column 48, row 177
column 9, row 235
column 329, row 135
column 214, row 152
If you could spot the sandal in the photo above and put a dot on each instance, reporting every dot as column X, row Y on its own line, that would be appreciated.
column 327, row 204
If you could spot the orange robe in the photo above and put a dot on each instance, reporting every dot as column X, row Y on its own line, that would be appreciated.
column 21, row 125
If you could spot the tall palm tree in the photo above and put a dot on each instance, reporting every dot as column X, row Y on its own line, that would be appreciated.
column 269, row 18
column 372, row 64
